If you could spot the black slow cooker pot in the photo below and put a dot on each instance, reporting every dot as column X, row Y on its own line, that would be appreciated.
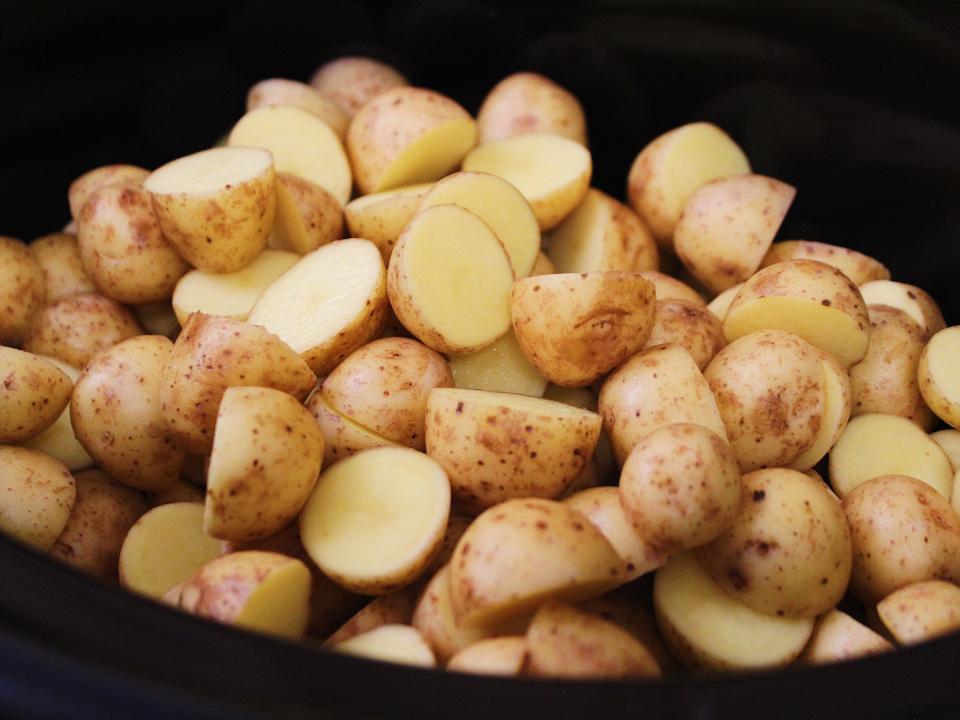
column 855, row 103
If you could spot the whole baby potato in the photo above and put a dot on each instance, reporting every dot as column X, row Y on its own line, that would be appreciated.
column 353, row 80
column 528, row 102
column 22, row 290
column 88, row 183
column 59, row 257
column 33, row 393
column 38, row 494
column 689, row 325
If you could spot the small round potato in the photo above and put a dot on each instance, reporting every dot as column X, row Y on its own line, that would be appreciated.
column 689, row 325
column 280, row 91
column 528, row 102
column 22, row 290
column 59, row 257
column 38, row 495
column 353, row 80
column 33, row 393
column 88, row 183
column 938, row 374
column 858, row 267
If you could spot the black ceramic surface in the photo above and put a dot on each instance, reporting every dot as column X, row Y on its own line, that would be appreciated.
column 854, row 103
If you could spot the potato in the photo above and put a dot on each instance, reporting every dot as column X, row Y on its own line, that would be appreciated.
column 38, row 495
column 522, row 552
column 382, row 217
column 375, row 520
column 938, row 376
column 504, row 656
column 267, row 451
column 602, row 507
column 103, row 513
column 903, row 532
column 656, row 387
column 601, row 464
column 949, row 442
column 885, row 381
column 179, row 491
column 680, row 487
column 330, row 303
column 500, row 367
column 116, row 414
column 496, row 446
column 158, row 318
column 22, row 290
column 395, row 608
column 33, row 393
column 342, row 437
column 383, row 386
column 721, row 303
column 788, row 553
column 921, row 611
column 391, row 643
column 838, row 400
column 233, row 294
column 667, row 171
column 260, row 591
column 280, row 91
column 690, row 326
column 563, row 641
column 552, row 172
column 449, row 281
column 808, row 298
column 84, row 186
column 78, row 327
column 407, row 135
column 858, row 267
column 912, row 300
column 707, row 629
column 878, row 444
column 164, row 548
column 727, row 226
column 216, row 206
column 574, row 328
column 669, row 288
column 307, row 216
column 500, row 205
column 527, row 102
column 58, row 255
column 542, row 266
column 212, row 354
column 301, row 144
column 353, row 80
column 838, row 637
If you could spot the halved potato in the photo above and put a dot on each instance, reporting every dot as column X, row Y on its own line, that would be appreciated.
column 667, row 171
column 59, row 257
column 552, row 172
column 407, row 135
column 449, row 280
column 503, row 656
column 332, row 301
column 689, row 325
column 351, row 81
column 33, row 394
column 500, row 367
column 233, row 294
column 912, row 300
column 400, row 644
column 838, row 637
column 878, row 444
column 307, row 216
column 669, row 288
column 527, row 102
column 22, row 290
column 938, row 375
column 921, row 611
column 342, row 437
column 375, row 520
column 38, row 495
column 88, row 183
column 280, row 91
column 858, row 267
column 382, row 217
column 838, row 401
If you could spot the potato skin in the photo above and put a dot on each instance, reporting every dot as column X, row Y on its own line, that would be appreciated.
column 59, row 257
column 213, row 353
column 342, row 437
column 22, row 290
column 352, row 81
column 318, row 210
column 383, row 386
column 38, row 494
column 33, row 393
column 921, row 611
column 115, row 411
column 527, row 102
column 280, row 91
column 858, row 267
column 668, row 287
column 88, row 183
column 689, row 325
column 78, row 327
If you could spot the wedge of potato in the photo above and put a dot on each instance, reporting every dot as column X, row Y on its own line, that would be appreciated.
column 88, row 183
column 33, row 394
column 500, row 367
column 342, row 437
column 59, row 257
column 351, row 81
column 922, row 611
column 307, row 216
column 838, row 637
column 280, row 91
column 382, row 217
column 938, row 375
column 504, row 656
column 22, row 290
column 912, row 300
column 327, row 305
column 858, row 267
column 528, row 102
column 38, row 496
column 399, row 644
column 689, row 325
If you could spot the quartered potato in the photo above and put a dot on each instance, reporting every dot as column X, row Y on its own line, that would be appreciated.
column 353, row 80
column 504, row 656
column 690, row 326
column 38, row 496
column 858, row 267
column 938, row 375
column 308, row 216
column 399, row 644
column 59, row 257
column 84, row 186
column 280, row 91
column 912, row 300
column 382, row 217
column 838, row 637
column 500, row 367
column 921, row 611
column 342, row 437
column 22, row 290
column 33, row 394
column 528, row 102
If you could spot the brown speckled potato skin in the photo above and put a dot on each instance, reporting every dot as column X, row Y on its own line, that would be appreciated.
column 769, row 388
column 668, row 287
column 33, row 393
column 59, row 257
column 213, row 353
column 88, row 183
column 22, row 290
column 179, row 491
column 354, row 80
column 680, row 487
column 885, row 381
column 116, row 415
column 122, row 248
column 788, row 553
column 102, row 514
column 36, row 496
column 858, row 267
column 341, row 437
column 922, row 611
column 527, row 102
column 628, row 243
column 689, row 325
column 492, row 451
column 903, row 532
column 320, row 211
column 76, row 328
column 383, row 386
column 575, row 327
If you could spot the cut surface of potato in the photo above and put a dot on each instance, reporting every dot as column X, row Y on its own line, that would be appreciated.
column 939, row 375
column 912, row 300
column 376, row 520
column 381, row 217
column 500, row 367
column 394, row 608
column 400, row 644
column 838, row 637
column 552, row 172
column 59, row 440
column 450, row 279
column 836, row 413
column 308, row 216
column 280, row 91
column 504, row 656
column 38, row 495
column 878, row 444
column 342, row 437
column 329, row 303
column 921, row 611
column 33, row 394
column 232, row 294
column 858, row 267
column 301, row 143
column 721, row 303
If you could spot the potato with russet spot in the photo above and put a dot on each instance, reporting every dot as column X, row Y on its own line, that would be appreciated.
column 22, row 290
column 528, row 102
column 939, row 377
column 33, row 393
column 855, row 265
column 91, row 181
column 690, row 326
column 59, row 257
column 38, row 496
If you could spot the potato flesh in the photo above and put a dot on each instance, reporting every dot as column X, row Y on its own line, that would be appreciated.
column 949, row 442
column 280, row 604
column 721, row 303
column 576, row 245
column 431, row 156
column 912, row 300
column 400, row 644
column 493, row 656
column 209, row 171
column 500, row 367
column 939, row 374
column 833, row 419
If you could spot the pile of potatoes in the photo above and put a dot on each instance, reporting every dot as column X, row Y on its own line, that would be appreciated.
column 379, row 374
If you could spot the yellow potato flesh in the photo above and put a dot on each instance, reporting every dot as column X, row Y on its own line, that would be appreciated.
column 342, row 436
column 493, row 656
column 837, row 637
column 165, row 547
column 898, row 295
column 720, row 632
column 376, row 517
column 949, row 442
column 280, row 604
column 231, row 294
column 501, row 367
column 877, row 444
column 939, row 374
column 208, row 172
column 391, row 643
column 836, row 413
column 431, row 156
column 829, row 329
column 59, row 441
column 576, row 245
column 301, row 143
